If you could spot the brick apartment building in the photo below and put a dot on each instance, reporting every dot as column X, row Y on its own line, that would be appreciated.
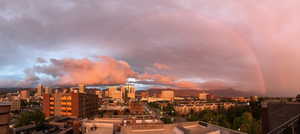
column 184, row 109
column 71, row 104
column 4, row 118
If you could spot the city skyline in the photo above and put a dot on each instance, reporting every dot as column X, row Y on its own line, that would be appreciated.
column 245, row 45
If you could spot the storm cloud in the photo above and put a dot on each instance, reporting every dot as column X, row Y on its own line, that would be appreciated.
column 249, row 45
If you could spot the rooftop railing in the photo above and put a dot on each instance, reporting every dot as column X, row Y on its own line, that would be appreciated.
column 280, row 129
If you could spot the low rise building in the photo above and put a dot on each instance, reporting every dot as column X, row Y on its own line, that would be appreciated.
column 15, row 104
column 115, row 93
column 149, row 126
column 93, row 127
column 168, row 95
column 4, row 118
column 144, row 94
column 203, row 96
column 152, row 99
column 177, row 128
column 136, row 108
column 13, row 100
column 99, row 93
column 184, row 109
column 241, row 99
column 24, row 94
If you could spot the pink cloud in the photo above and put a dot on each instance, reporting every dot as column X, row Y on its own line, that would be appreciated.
column 161, row 66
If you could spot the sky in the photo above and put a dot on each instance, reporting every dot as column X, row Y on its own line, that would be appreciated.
column 248, row 45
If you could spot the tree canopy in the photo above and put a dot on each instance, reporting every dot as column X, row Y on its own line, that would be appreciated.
column 35, row 117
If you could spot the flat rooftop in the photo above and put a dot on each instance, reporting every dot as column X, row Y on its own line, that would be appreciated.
column 186, row 128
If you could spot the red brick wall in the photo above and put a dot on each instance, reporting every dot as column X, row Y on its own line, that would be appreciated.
column 75, row 105
column 46, row 105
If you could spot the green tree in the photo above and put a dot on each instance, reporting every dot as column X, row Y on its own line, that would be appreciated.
column 209, row 116
column 236, row 123
column 167, row 120
column 193, row 116
column 31, row 117
column 169, row 110
column 244, row 118
column 38, row 117
column 249, row 124
column 222, row 120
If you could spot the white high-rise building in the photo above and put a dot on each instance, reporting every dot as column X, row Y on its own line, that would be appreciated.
column 39, row 90
column 82, row 88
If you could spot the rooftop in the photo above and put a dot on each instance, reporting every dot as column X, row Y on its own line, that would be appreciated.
column 186, row 128
column 279, row 113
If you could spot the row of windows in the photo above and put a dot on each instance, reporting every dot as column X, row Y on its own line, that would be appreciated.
column 62, row 98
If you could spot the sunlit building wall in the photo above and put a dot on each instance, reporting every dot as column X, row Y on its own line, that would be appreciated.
column 4, row 118
column 73, row 104
column 167, row 95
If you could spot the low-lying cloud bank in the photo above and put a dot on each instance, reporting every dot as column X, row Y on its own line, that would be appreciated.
column 100, row 70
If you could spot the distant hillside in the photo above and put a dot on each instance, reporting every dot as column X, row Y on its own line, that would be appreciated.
column 231, row 93
column 195, row 92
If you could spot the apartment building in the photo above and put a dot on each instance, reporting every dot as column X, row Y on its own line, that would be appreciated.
column 167, row 95
column 184, row 109
column 71, row 104
column 4, row 118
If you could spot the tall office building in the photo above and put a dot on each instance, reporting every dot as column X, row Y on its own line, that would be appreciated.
column 123, row 93
column 128, row 91
column 82, row 88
